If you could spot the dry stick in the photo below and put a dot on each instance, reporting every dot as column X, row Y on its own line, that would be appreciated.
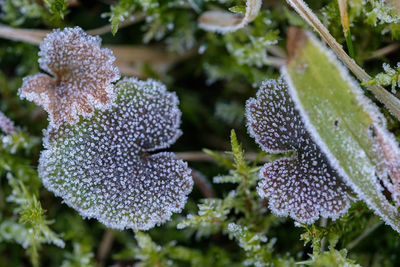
column 363, row 235
column 105, row 246
column 203, row 184
column 34, row 36
column 25, row 35
column 201, row 156
column 323, row 223
column 391, row 102
column 383, row 51
column 277, row 51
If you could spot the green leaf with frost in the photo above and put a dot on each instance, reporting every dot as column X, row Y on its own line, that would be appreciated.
column 347, row 127
column 211, row 216
column 34, row 230
column 57, row 8
column 220, row 158
column 332, row 257
column 81, row 256
column 238, row 9
column 258, row 251
column 149, row 253
column 390, row 76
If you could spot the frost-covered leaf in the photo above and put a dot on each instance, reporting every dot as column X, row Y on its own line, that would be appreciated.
column 81, row 76
column 303, row 186
column 346, row 125
column 101, row 166
column 223, row 22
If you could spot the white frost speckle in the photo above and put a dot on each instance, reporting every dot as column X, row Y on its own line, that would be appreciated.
column 101, row 166
column 304, row 186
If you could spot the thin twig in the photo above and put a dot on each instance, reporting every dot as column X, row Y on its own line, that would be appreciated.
column 391, row 102
column 364, row 234
column 35, row 36
column 201, row 156
column 32, row 36
column 105, row 246
column 203, row 184
column 276, row 61
column 383, row 51
column 323, row 223
column 277, row 51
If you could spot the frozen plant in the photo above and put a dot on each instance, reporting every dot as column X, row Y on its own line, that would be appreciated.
column 81, row 76
column 303, row 186
column 101, row 166
column 391, row 76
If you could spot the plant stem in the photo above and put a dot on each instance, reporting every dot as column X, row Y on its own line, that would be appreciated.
column 367, row 231
column 203, row 184
column 105, row 246
column 323, row 223
column 383, row 51
column 391, row 102
column 201, row 156
column 344, row 16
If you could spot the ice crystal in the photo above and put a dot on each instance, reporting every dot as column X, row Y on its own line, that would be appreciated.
column 81, row 76
column 223, row 22
column 303, row 186
column 101, row 166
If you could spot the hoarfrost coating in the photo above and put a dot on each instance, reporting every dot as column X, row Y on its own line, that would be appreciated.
column 101, row 166
column 303, row 186
column 377, row 165
column 81, row 76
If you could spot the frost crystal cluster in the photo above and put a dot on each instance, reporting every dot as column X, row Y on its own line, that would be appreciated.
column 303, row 186
column 81, row 76
column 101, row 166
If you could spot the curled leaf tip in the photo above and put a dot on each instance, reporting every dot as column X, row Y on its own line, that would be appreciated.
column 101, row 166
column 80, row 76
column 304, row 186
column 223, row 22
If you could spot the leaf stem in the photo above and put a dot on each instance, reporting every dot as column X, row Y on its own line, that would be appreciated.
column 344, row 16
